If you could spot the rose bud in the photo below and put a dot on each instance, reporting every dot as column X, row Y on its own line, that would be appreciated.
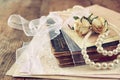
column 85, row 27
column 77, row 24
column 99, row 25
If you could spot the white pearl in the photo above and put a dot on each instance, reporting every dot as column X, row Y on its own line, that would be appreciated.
column 101, row 36
column 87, row 61
column 118, row 48
column 100, row 40
column 104, row 65
column 118, row 57
column 83, row 52
column 98, row 44
column 116, row 61
column 97, row 66
column 106, row 34
column 118, row 45
column 110, row 53
column 84, row 48
column 92, row 64
column 100, row 49
column 105, row 53
column 115, row 51
column 110, row 65
column 85, row 56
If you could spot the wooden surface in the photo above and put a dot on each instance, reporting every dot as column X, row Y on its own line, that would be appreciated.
column 11, row 39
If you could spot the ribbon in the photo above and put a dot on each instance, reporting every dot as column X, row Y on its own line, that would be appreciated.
column 45, row 29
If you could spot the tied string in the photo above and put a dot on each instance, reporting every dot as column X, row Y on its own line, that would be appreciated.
column 40, row 29
column 73, row 47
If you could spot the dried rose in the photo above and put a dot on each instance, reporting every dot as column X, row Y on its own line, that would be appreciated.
column 85, row 24
column 85, row 27
column 99, row 25
column 81, row 26
column 77, row 25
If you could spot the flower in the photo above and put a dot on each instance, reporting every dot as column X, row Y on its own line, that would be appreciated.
column 99, row 25
column 85, row 24
column 82, row 26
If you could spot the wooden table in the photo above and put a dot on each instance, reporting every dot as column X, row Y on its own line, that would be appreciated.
column 11, row 39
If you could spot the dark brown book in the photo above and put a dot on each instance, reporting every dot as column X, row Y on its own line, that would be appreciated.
column 67, row 58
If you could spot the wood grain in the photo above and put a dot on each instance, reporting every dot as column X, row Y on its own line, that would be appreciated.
column 11, row 39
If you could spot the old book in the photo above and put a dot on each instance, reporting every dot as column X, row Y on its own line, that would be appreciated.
column 67, row 58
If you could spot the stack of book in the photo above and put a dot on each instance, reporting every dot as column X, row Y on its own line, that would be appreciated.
column 67, row 58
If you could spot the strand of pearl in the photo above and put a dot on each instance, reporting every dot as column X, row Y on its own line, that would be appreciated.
column 103, row 65
column 100, row 48
column 97, row 65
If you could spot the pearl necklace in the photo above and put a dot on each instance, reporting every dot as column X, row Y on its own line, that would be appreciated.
column 103, row 65
column 100, row 48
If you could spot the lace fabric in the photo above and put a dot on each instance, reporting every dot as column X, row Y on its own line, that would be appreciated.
column 43, row 29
